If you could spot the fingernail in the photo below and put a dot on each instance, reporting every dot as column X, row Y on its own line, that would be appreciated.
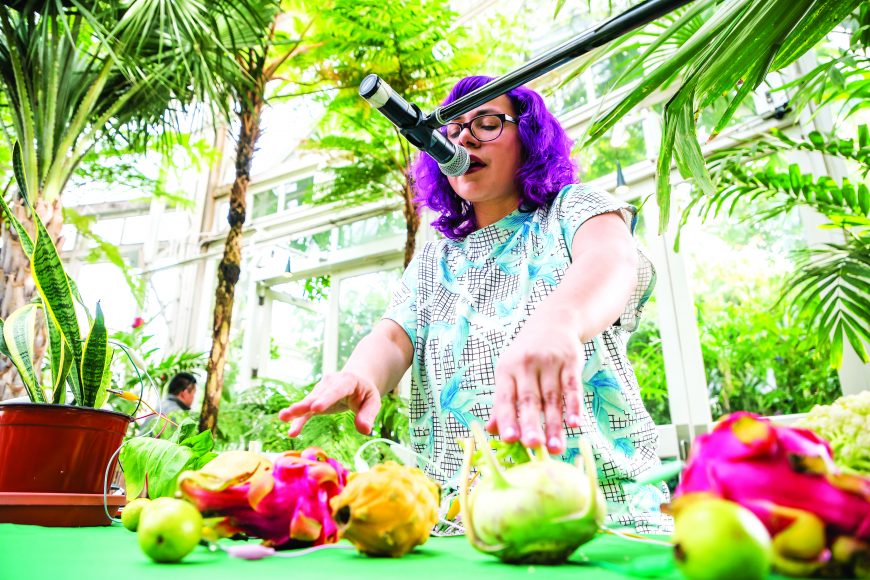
column 574, row 420
column 509, row 433
column 554, row 444
column 532, row 441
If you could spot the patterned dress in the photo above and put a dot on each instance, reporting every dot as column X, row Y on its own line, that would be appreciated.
column 462, row 302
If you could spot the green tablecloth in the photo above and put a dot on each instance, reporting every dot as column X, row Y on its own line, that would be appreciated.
column 33, row 552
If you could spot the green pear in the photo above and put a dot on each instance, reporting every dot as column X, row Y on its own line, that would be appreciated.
column 716, row 539
column 169, row 529
column 132, row 511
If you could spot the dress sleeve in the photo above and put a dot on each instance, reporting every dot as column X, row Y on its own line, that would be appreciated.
column 576, row 204
column 403, row 306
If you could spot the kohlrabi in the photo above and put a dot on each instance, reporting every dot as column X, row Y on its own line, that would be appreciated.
column 537, row 512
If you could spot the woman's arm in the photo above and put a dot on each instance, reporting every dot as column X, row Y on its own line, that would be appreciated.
column 382, row 356
column 544, row 362
column 374, row 368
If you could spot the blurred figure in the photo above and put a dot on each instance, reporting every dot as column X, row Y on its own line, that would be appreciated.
column 179, row 398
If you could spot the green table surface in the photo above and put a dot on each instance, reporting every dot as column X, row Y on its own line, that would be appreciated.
column 34, row 552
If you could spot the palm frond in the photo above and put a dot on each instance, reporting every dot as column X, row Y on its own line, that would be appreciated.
column 732, row 52
column 831, row 286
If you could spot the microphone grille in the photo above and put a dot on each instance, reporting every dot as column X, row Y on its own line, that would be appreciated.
column 458, row 164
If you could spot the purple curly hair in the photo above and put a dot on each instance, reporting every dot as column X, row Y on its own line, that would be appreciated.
column 546, row 163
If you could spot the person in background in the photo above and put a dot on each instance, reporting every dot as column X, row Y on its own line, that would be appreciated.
column 179, row 398
column 518, row 318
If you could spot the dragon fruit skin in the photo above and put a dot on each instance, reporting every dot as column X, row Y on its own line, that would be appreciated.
column 286, row 504
column 762, row 466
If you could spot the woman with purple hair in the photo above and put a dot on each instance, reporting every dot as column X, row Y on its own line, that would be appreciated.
column 518, row 317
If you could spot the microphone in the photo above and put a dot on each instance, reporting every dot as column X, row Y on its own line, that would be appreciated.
column 453, row 160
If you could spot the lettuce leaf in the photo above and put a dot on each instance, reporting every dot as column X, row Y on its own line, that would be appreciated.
column 155, row 464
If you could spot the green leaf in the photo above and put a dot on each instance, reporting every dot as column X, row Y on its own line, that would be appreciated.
column 3, row 348
column 53, row 286
column 94, row 359
column 201, row 443
column 103, row 393
column 61, row 360
column 23, row 236
column 161, row 461
column 837, row 346
column 19, row 334
column 18, row 169
column 155, row 461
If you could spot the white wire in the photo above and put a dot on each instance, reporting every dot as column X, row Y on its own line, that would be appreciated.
column 137, row 367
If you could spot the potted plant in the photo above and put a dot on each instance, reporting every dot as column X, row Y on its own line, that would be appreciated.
column 61, row 442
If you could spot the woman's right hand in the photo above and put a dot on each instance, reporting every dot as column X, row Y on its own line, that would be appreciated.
column 334, row 393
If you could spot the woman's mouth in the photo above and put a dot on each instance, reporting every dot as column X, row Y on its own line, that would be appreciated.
column 476, row 165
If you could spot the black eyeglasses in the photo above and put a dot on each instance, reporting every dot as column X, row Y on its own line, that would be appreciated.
column 483, row 127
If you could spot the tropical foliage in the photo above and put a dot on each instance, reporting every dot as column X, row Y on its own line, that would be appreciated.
column 713, row 48
column 77, row 74
column 253, row 416
column 80, row 363
column 708, row 49
column 414, row 49
column 830, row 286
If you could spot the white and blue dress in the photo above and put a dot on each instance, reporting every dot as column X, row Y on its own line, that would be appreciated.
column 463, row 301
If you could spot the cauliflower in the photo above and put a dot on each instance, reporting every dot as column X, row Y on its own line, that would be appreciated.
column 845, row 424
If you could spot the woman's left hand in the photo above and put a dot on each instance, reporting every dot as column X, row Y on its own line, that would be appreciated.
column 538, row 369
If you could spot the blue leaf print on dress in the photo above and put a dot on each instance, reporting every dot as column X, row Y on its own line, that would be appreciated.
column 456, row 401
column 625, row 445
column 607, row 398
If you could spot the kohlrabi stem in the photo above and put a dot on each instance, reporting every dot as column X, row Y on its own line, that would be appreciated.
column 498, row 480
column 464, row 508
column 591, row 476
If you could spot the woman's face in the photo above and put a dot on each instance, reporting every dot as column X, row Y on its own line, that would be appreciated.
column 493, row 163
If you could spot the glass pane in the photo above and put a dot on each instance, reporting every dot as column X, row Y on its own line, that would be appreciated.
column 296, row 342
column 370, row 229
column 645, row 349
column 173, row 225
column 756, row 355
column 294, row 191
column 109, row 230
column 623, row 143
column 105, row 283
column 265, row 203
column 363, row 300
column 604, row 73
column 136, row 229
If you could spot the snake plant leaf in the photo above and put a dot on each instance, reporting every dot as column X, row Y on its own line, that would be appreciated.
column 3, row 348
column 19, row 335
column 106, row 380
column 18, row 169
column 93, row 362
column 23, row 236
column 53, row 286
column 61, row 360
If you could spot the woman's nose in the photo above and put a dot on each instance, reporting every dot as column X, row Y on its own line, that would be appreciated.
column 466, row 138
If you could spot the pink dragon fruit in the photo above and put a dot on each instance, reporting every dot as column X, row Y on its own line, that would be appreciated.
column 285, row 504
column 787, row 477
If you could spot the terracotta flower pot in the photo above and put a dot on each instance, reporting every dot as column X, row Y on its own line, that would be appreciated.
column 57, row 448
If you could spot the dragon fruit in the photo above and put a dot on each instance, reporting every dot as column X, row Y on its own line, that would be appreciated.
column 786, row 476
column 285, row 503
column 387, row 511
column 537, row 512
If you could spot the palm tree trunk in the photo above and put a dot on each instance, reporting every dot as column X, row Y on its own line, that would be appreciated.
column 230, row 265
column 17, row 287
column 412, row 219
